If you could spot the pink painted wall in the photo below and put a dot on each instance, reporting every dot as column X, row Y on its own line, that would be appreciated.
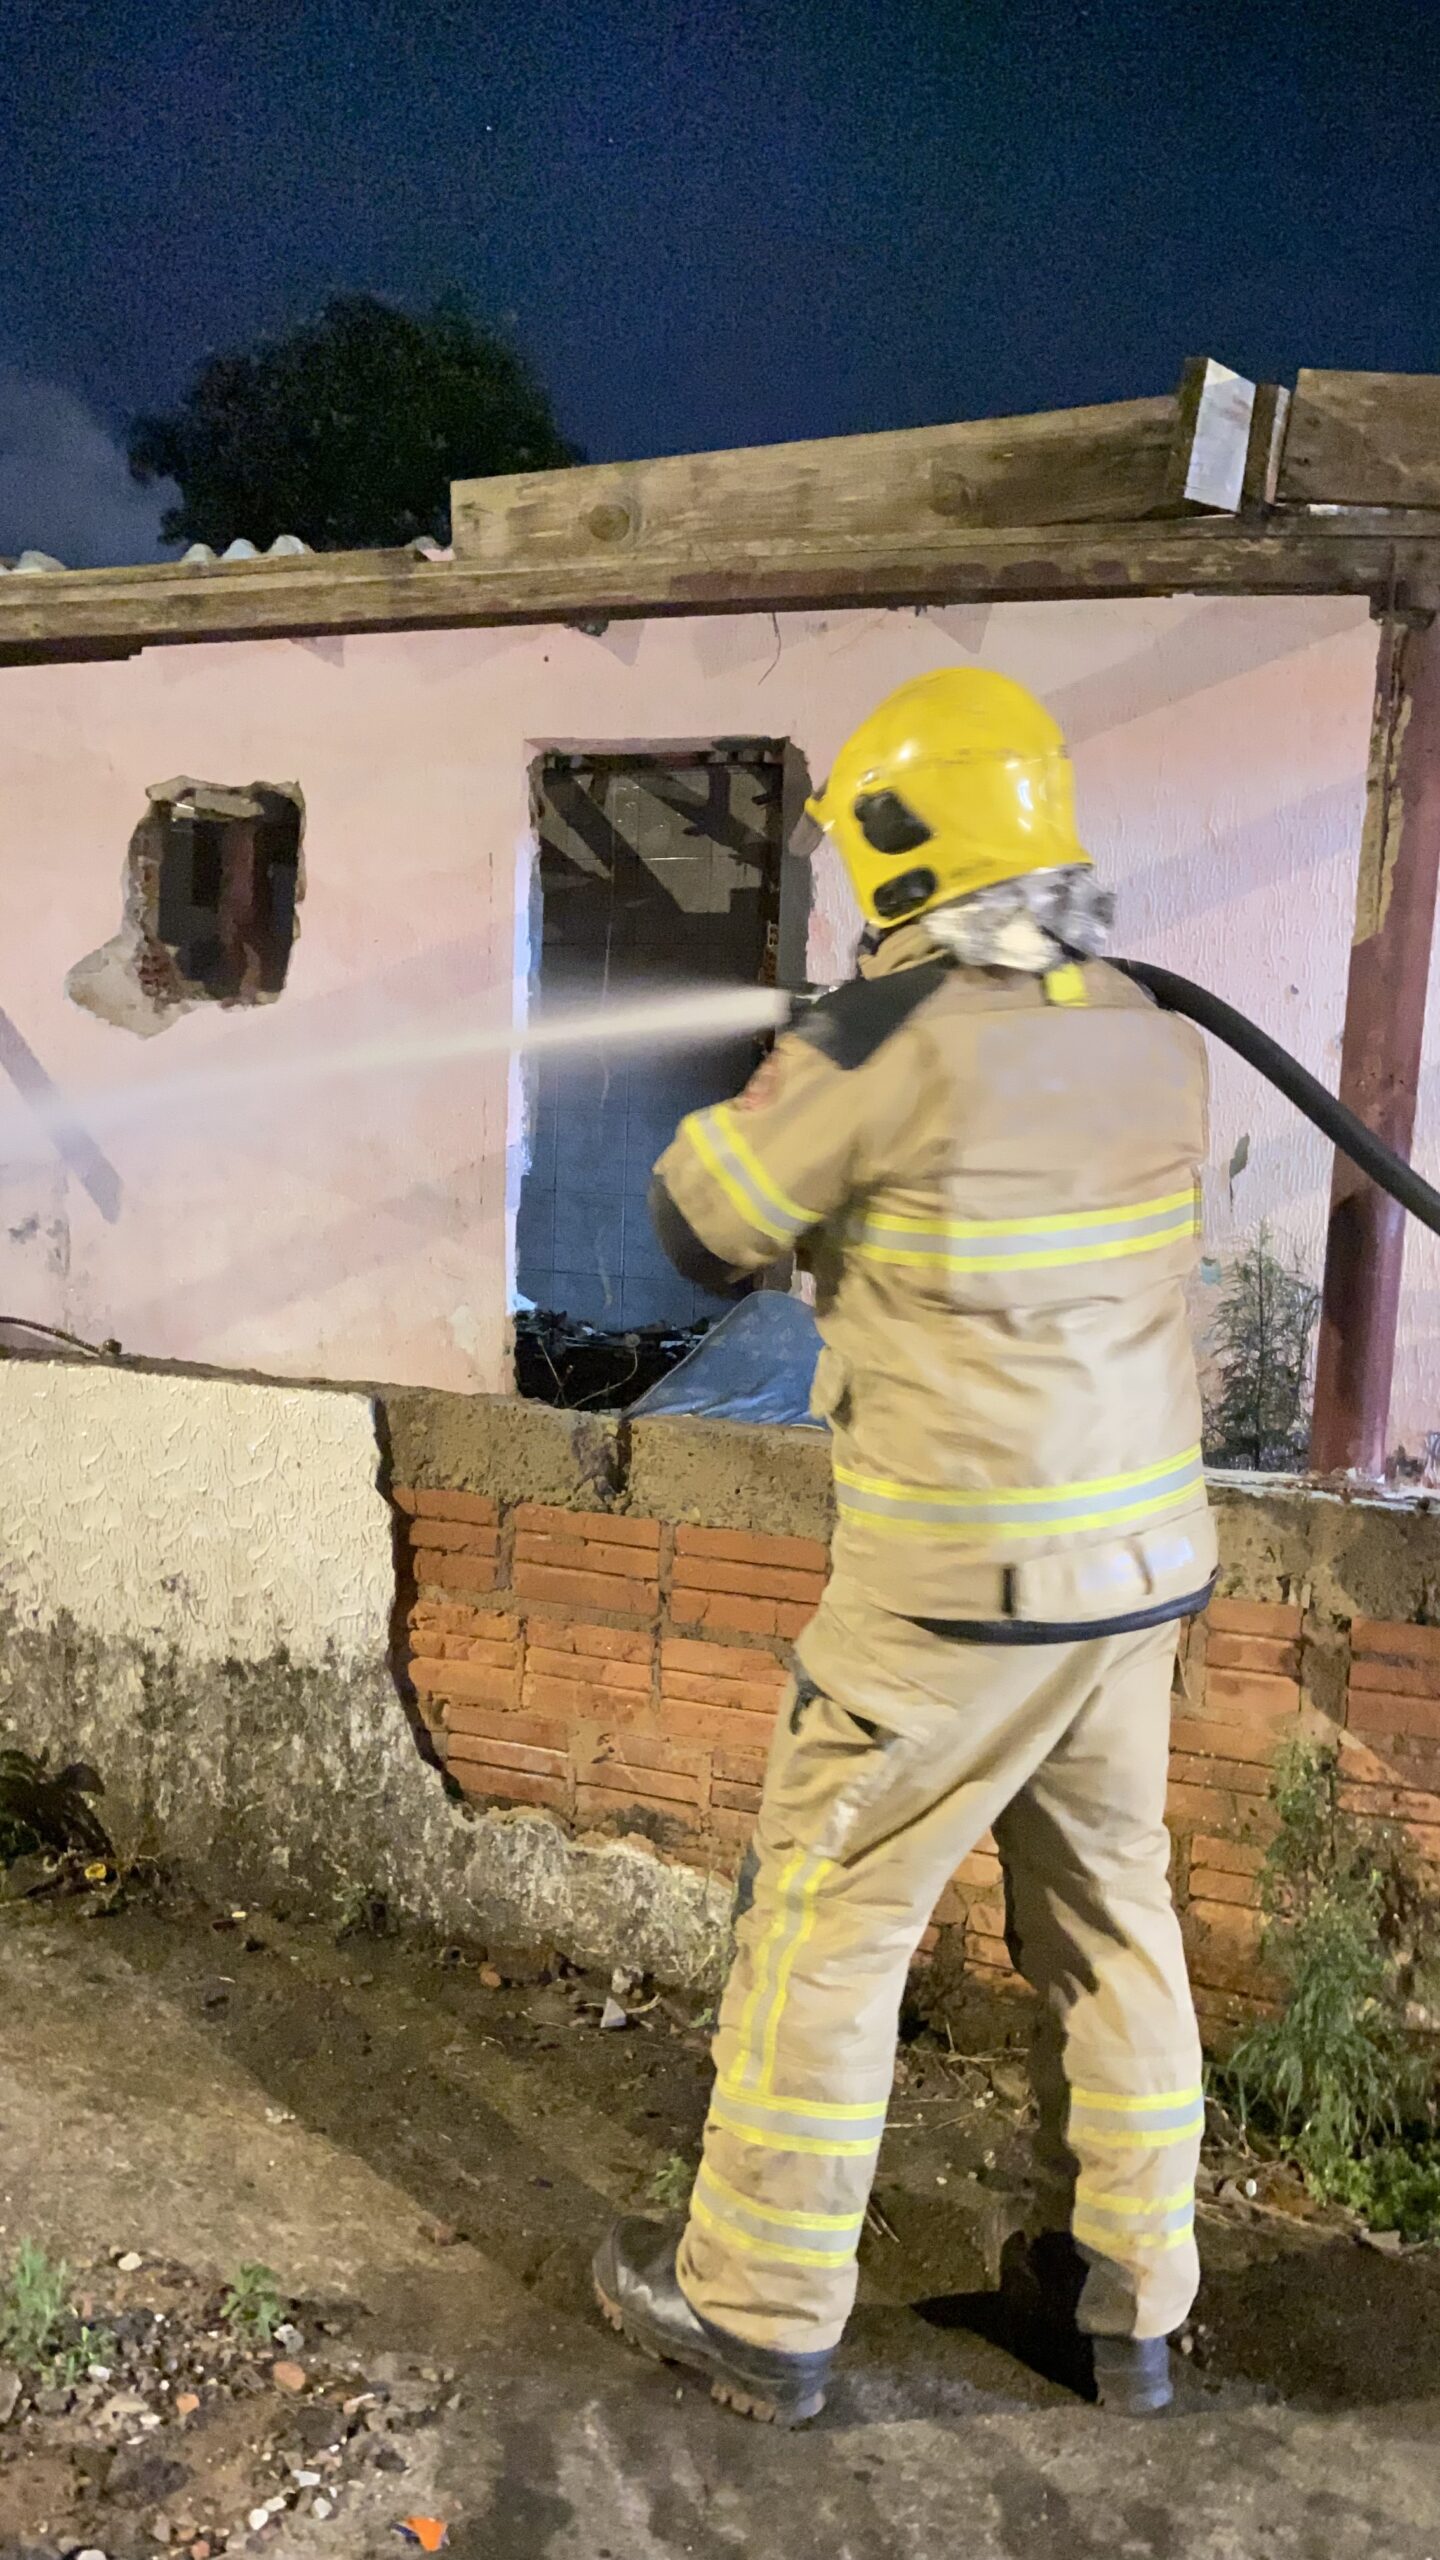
column 356, row 1225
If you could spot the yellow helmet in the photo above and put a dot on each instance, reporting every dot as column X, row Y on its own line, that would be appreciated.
column 958, row 780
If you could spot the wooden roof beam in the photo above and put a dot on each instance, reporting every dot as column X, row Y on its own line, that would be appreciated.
column 100, row 612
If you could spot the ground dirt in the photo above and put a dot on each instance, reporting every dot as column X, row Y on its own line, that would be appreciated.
column 426, row 2155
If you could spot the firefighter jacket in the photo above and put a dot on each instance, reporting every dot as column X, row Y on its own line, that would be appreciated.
column 994, row 1179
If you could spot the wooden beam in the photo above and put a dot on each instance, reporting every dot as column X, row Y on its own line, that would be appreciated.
column 1380, row 1055
column 109, row 612
column 1268, row 422
column 1114, row 464
column 1363, row 440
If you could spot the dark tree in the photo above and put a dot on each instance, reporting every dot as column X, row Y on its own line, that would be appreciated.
column 349, row 431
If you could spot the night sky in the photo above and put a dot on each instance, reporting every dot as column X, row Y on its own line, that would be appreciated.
column 709, row 224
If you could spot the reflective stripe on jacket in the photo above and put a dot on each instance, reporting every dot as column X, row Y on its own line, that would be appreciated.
column 998, row 1197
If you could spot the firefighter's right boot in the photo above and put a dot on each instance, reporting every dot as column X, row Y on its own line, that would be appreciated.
column 638, row 2291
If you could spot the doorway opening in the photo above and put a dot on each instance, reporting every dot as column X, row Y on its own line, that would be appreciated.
column 657, row 870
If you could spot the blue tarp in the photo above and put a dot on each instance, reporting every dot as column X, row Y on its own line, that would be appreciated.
column 755, row 1365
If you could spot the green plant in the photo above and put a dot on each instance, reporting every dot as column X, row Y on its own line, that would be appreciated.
column 1339, row 2075
column 1256, row 1414
column 253, row 2306
column 34, row 2300
column 40, row 2333
column 671, row 2184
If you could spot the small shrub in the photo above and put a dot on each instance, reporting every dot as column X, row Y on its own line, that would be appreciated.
column 1257, row 1414
column 1339, row 2075
column 253, row 2306
column 40, row 2333
column 671, row 2184
column 33, row 2302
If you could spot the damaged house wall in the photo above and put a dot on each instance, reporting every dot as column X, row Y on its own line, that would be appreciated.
column 199, row 1600
column 314, row 1223
column 515, row 1670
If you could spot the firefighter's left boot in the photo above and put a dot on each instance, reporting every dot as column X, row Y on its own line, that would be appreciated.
column 1132, row 2376
column 637, row 2289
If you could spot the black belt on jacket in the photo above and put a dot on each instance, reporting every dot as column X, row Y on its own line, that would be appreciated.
column 1047, row 1631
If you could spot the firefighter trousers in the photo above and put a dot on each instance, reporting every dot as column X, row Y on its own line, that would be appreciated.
column 897, row 1750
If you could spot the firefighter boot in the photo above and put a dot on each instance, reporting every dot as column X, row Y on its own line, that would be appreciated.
column 636, row 2288
column 1041, row 2280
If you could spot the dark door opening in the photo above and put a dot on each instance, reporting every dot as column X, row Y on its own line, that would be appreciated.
column 655, row 871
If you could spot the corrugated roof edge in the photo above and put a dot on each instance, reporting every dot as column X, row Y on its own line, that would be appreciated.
column 286, row 546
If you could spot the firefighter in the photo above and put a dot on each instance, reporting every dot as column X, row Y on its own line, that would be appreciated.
column 986, row 1148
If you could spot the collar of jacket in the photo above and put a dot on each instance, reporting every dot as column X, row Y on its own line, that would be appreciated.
column 905, row 948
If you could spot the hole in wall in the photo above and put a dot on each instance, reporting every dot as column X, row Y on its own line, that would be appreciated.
column 213, row 882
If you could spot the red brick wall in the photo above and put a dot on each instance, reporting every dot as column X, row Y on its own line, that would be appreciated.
column 625, row 1675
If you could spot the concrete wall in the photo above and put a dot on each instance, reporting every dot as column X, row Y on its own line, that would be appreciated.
column 310, row 1222
column 515, row 1670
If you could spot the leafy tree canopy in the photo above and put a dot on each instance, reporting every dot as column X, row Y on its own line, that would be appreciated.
column 349, row 431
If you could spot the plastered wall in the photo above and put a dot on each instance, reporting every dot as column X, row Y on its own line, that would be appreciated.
column 357, row 1221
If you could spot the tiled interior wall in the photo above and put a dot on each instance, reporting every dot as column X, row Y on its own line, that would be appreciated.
column 651, row 876
column 626, row 1674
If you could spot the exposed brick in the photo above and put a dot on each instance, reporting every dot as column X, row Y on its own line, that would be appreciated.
column 456, row 1617
column 1240, row 1857
column 500, row 1657
column 952, row 1910
column 1396, row 1673
column 987, row 1916
column 1224, row 1920
column 583, row 1701
column 805, row 1555
column 1237, row 1777
column 1394, row 1638
column 763, row 1582
column 467, row 1680
column 596, row 1803
column 658, row 1751
column 733, row 1833
column 726, row 1791
column 982, row 1867
column 738, row 1616
column 1401, row 1804
column 745, row 1768
column 483, row 1722
column 456, row 1573
column 621, row 1773
column 422, row 1504
column 710, row 1724
column 602, row 1668
column 1238, row 1696
column 1381, row 1711
column 720, row 1661
column 1253, row 1618
column 488, row 1751
column 1217, row 1884
column 510, row 1786
column 698, row 1691
column 560, row 1633
column 590, row 1555
column 929, row 1941
column 586, row 1590
column 1205, row 1808
column 457, row 1537
column 1253, row 1743
column 616, row 1528
column 1253, row 1653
